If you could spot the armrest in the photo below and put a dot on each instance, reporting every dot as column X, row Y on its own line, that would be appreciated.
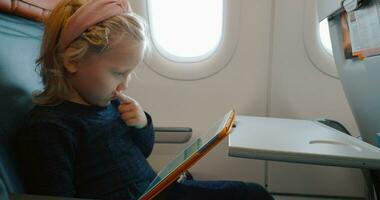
column 172, row 134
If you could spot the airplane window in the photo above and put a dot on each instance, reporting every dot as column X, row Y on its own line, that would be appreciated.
column 324, row 35
column 184, row 31
column 192, row 39
column 317, row 41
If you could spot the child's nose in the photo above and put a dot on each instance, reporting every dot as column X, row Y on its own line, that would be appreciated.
column 122, row 86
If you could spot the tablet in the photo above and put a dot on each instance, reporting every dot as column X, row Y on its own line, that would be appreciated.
column 189, row 157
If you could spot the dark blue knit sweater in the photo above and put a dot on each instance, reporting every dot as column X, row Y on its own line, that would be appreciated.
column 84, row 151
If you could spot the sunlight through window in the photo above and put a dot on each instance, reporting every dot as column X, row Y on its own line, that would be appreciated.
column 186, row 30
column 324, row 35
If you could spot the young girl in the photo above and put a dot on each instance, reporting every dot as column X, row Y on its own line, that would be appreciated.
column 85, row 137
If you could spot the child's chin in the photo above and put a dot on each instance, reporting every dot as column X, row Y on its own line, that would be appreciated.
column 107, row 103
column 103, row 104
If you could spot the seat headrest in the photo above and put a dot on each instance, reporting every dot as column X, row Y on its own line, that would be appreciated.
column 35, row 10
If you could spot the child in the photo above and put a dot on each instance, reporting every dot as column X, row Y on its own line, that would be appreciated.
column 85, row 137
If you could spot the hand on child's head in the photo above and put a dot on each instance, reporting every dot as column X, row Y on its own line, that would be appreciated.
column 131, row 112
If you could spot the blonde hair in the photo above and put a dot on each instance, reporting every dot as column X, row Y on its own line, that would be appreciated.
column 96, row 39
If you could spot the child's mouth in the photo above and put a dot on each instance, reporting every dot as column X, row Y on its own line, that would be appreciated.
column 114, row 96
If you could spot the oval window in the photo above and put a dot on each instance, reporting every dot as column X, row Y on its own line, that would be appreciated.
column 192, row 39
column 186, row 30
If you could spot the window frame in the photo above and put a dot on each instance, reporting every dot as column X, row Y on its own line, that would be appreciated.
column 208, row 66
column 314, row 48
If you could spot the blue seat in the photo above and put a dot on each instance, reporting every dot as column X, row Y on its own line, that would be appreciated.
column 3, row 192
column 20, row 42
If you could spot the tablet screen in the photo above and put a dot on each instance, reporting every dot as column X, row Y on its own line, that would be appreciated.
column 197, row 146
column 176, row 162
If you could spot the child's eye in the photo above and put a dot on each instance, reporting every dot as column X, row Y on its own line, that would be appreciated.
column 118, row 74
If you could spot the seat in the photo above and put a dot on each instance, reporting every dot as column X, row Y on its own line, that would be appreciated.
column 20, row 43
column 3, row 192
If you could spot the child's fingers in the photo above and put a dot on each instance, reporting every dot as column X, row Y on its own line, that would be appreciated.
column 128, row 116
column 133, row 122
column 123, row 98
column 127, row 107
column 130, row 111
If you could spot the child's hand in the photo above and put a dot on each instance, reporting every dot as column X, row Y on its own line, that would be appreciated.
column 131, row 112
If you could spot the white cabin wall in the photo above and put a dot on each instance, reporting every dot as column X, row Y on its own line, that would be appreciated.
column 241, row 85
column 299, row 90
column 265, row 61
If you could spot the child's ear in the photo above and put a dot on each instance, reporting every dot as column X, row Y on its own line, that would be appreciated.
column 71, row 66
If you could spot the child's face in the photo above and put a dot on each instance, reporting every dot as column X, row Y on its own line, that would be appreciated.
column 97, row 77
